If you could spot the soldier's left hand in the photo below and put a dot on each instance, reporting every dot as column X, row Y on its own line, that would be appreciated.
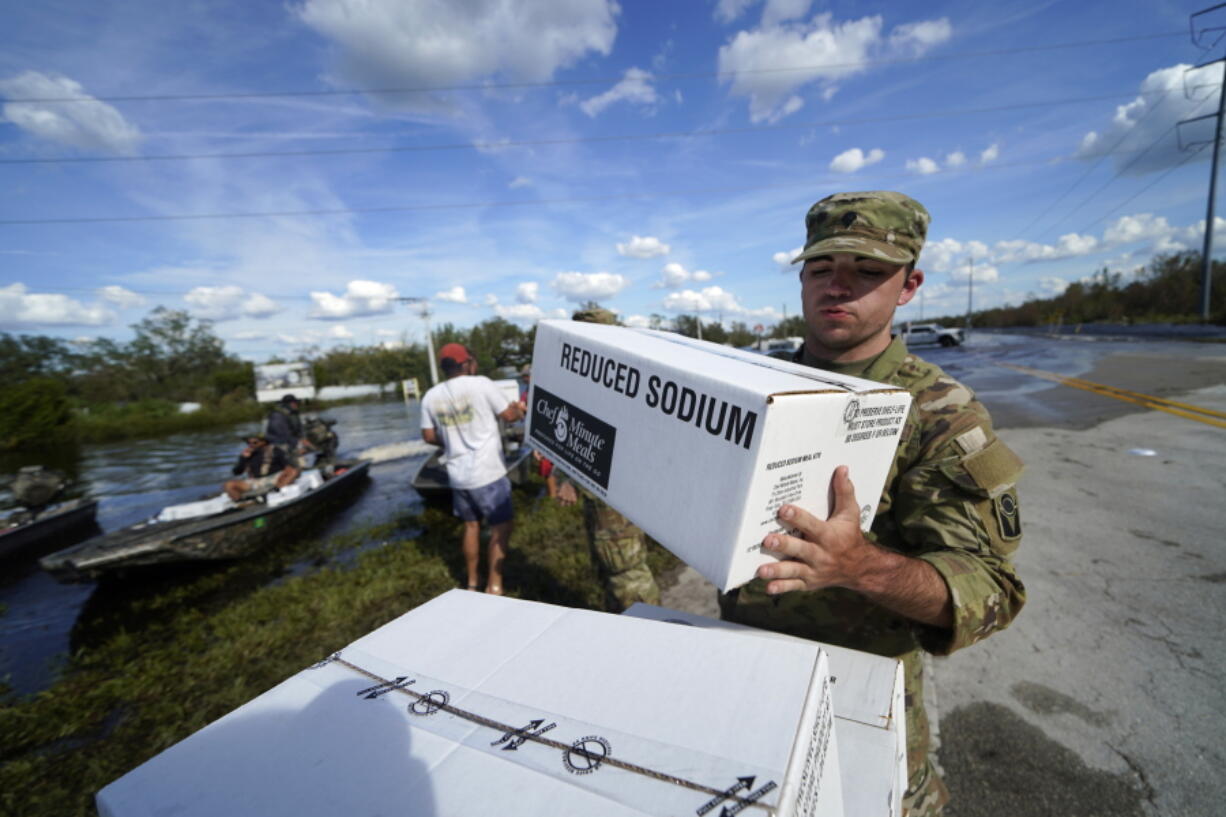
column 830, row 553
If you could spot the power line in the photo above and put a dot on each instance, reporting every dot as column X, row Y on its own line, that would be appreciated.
column 721, row 75
column 1121, row 171
column 337, row 211
column 1146, row 188
column 503, row 144
column 1026, row 230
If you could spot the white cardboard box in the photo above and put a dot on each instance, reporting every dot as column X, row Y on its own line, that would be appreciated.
column 869, row 718
column 699, row 444
column 474, row 704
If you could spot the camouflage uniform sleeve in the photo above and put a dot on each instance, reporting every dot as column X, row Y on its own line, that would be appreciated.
column 958, row 509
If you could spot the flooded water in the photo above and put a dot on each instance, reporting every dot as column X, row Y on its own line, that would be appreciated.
column 134, row 479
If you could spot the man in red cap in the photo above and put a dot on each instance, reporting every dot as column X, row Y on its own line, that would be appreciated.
column 461, row 414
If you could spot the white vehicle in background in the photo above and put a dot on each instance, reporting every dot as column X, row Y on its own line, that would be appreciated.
column 919, row 334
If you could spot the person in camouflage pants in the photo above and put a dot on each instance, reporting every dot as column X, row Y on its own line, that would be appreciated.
column 934, row 572
column 618, row 548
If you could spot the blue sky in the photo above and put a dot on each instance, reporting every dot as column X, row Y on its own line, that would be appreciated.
column 515, row 158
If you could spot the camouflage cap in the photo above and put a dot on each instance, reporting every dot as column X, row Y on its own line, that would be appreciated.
column 877, row 224
column 595, row 316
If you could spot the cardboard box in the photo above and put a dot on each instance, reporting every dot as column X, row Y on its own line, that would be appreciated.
column 474, row 704
column 699, row 444
column 869, row 719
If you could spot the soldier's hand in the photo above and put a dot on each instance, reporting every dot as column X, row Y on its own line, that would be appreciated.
column 567, row 495
column 830, row 553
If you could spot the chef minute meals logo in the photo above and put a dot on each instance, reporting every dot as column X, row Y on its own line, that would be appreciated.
column 573, row 436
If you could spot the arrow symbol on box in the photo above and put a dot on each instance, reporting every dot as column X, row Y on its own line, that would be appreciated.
column 370, row 693
column 749, row 799
column 517, row 737
column 742, row 784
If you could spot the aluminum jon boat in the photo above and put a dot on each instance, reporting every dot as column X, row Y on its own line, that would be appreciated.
column 233, row 532
column 66, row 522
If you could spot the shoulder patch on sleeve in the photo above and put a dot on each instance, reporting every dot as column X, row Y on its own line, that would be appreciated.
column 972, row 441
column 1008, row 515
column 994, row 468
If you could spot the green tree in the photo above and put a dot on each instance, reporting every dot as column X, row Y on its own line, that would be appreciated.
column 32, row 412
column 26, row 356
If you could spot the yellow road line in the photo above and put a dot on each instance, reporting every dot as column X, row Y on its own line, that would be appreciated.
column 1190, row 412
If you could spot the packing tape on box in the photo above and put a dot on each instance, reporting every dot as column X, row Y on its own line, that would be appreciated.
column 659, row 780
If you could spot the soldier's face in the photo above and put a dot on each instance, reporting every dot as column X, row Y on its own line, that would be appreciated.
column 849, row 304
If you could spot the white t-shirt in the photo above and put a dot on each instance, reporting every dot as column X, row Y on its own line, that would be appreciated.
column 464, row 410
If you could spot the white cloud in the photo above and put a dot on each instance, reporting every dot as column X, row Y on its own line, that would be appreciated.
column 120, row 297
column 584, row 286
column 490, row 299
column 520, row 181
column 339, row 332
column 728, row 10
column 361, row 298
column 914, row 39
column 259, row 306
column 90, row 125
column 849, row 161
column 923, row 165
column 228, row 302
column 674, row 275
column 634, row 87
column 1148, row 121
column 1140, row 227
column 455, row 295
column 525, row 313
column 784, row 259
column 637, row 321
column 528, row 292
column 20, row 307
column 390, row 43
column 822, row 51
column 946, row 254
column 955, row 159
column 710, row 299
column 643, row 247
column 984, row 273
column 1070, row 245
column 990, row 154
column 1051, row 285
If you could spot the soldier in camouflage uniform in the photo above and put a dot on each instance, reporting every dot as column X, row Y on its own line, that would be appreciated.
column 934, row 573
column 618, row 548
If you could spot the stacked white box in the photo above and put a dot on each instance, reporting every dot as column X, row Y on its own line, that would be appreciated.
column 869, row 717
column 474, row 704
column 699, row 444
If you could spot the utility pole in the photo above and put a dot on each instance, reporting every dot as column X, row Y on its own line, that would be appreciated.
column 921, row 303
column 425, row 316
column 1206, row 280
column 970, row 293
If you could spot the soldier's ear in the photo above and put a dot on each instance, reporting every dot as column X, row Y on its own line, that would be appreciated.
column 911, row 283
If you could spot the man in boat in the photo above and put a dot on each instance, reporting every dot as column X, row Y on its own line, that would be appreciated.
column 283, row 428
column 617, row 547
column 934, row 573
column 461, row 414
column 264, row 467
column 319, row 434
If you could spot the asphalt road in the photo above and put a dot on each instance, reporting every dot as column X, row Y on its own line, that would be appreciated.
column 1105, row 697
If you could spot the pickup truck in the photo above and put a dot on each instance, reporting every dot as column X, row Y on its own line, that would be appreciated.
column 917, row 334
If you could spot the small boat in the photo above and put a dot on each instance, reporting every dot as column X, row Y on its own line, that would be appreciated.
column 432, row 484
column 27, row 530
column 237, row 530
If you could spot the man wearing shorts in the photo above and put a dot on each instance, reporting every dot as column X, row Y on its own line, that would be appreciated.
column 461, row 414
column 262, row 467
